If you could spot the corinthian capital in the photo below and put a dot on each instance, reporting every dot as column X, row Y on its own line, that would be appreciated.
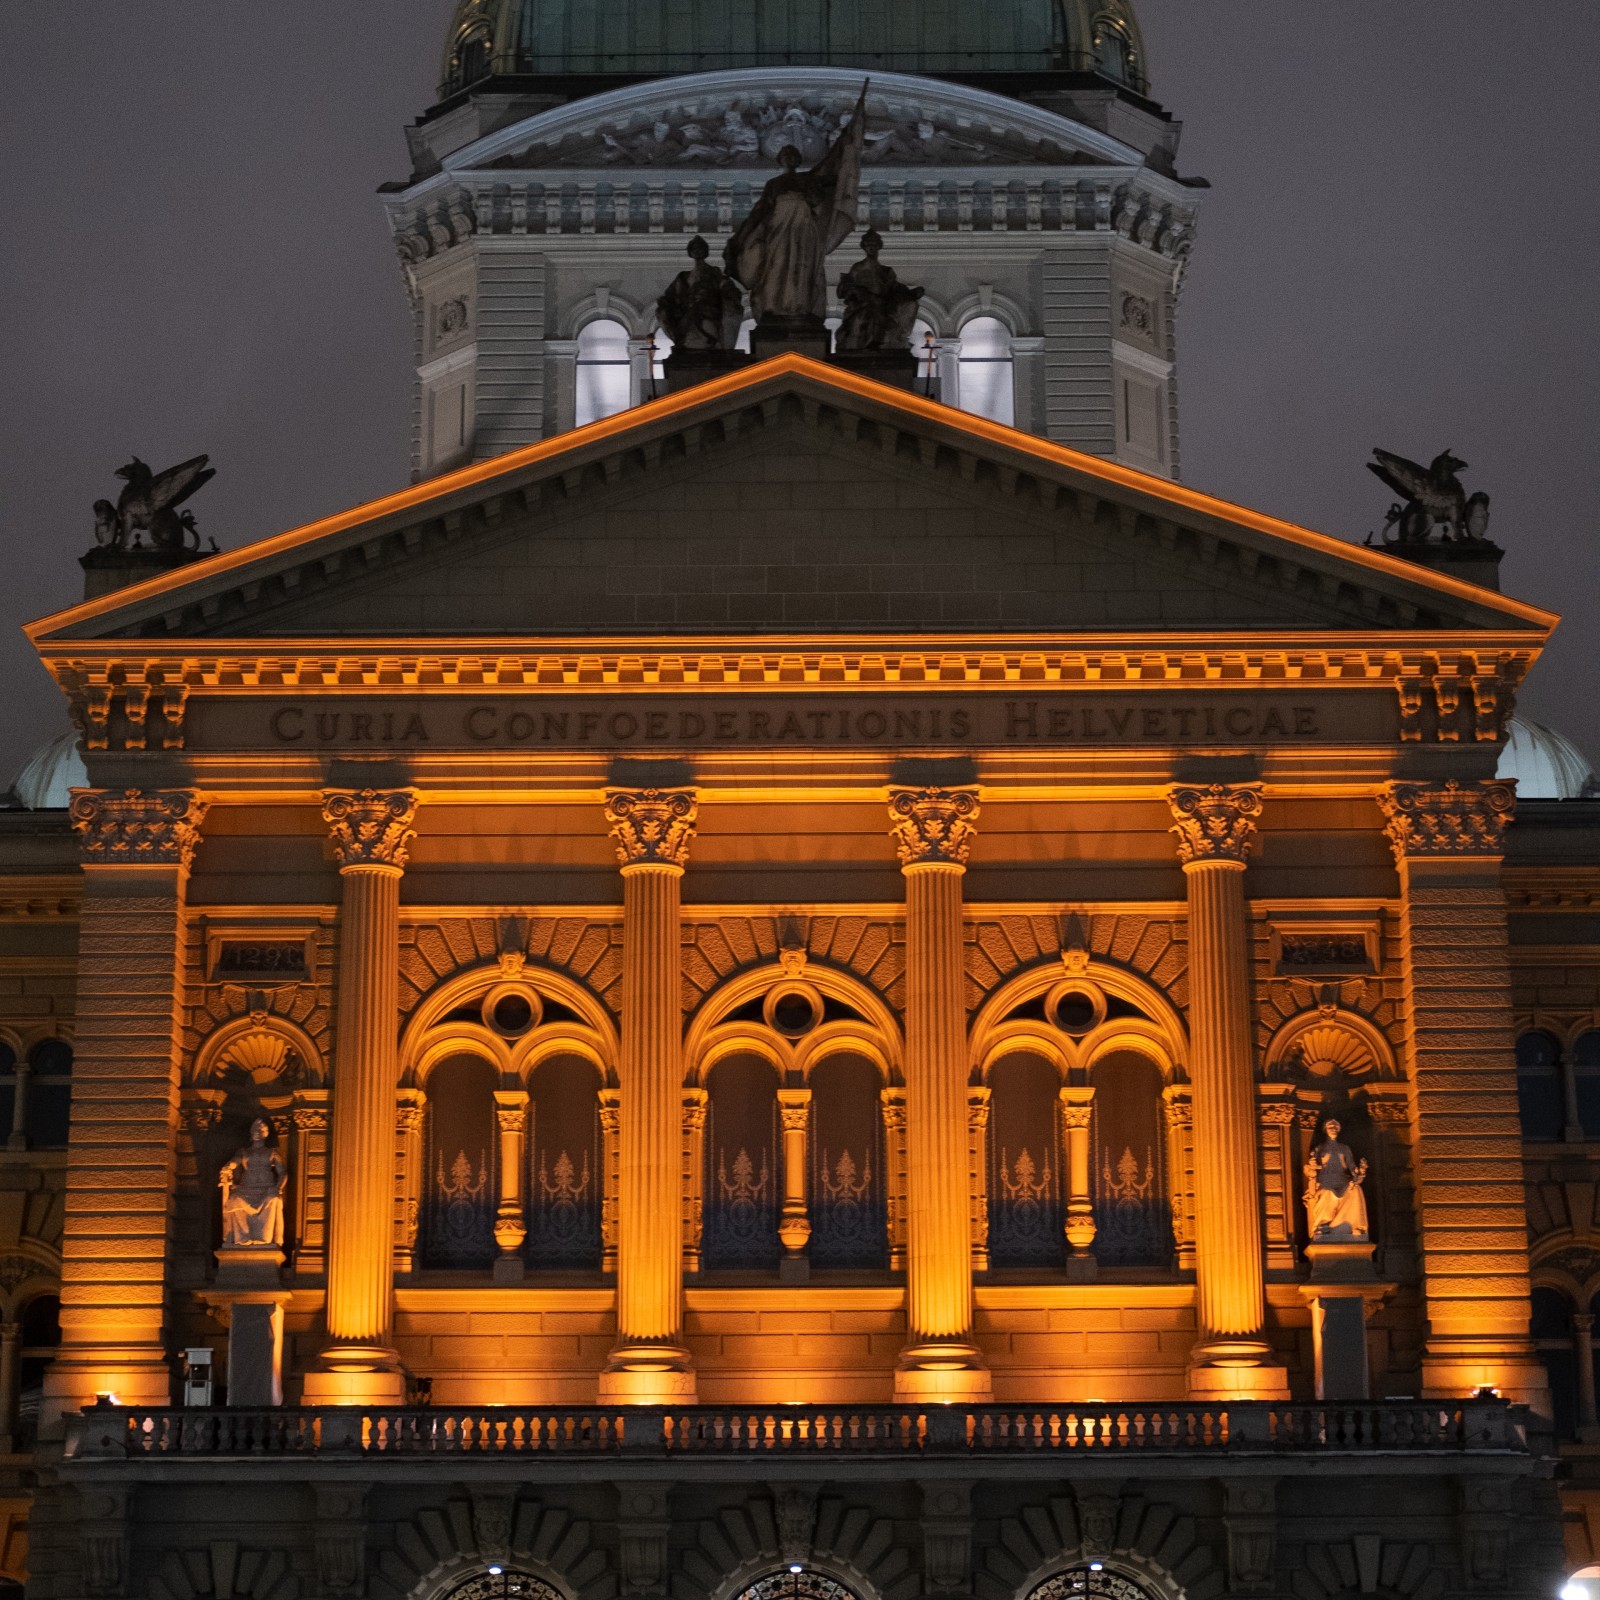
column 1215, row 823
column 1455, row 820
column 370, row 827
column 933, row 825
column 137, row 827
column 652, row 827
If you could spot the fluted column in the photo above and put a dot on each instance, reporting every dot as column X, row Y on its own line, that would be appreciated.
column 933, row 830
column 653, row 829
column 136, row 846
column 1448, row 841
column 371, row 832
column 1216, row 827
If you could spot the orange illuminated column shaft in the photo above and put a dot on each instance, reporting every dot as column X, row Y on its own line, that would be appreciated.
column 371, row 831
column 1216, row 829
column 135, row 846
column 1447, row 842
column 933, row 830
column 649, row 1365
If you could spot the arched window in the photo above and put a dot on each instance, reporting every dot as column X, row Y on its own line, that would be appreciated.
column 1113, row 51
column 847, row 1165
column 461, row 1176
column 503, row 1583
column 925, row 347
column 605, row 371
column 795, row 1583
column 1586, row 1069
column 41, row 1334
column 1540, row 1100
column 565, row 1165
column 49, row 1113
column 474, row 51
column 1092, row 1581
column 1026, row 1218
column 987, row 387
column 742, row 1173
column 1127, row 1164
column 1551, row 1330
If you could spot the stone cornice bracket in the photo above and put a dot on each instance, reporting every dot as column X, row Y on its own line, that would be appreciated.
column 1453, row 820
column 1216, row 822
column 652, row 827
column 137, row 827
column 370, row 827
column 933, row 827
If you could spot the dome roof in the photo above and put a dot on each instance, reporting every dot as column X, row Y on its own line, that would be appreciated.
column 52, row 772
column 643, row 38
column 1546, row 764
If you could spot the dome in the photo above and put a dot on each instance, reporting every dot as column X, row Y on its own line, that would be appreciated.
column 643, row 38
column 1546, row 764
column 52, row 772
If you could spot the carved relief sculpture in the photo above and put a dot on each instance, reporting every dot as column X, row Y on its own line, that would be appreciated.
column 1336, row 1207
column 933, row 825
column 702, row 307
column 780, row 250
column 1454, row 820
column 652, row 826
column 371, row 828
column 252, row 1182
column 137, row 827
column 1216, row 823
column 879, row 310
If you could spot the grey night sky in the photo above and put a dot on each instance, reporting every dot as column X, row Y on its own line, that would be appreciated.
column 1398, row 249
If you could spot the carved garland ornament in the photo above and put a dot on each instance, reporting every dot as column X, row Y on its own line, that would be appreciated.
column 652, row 826
column 371, row 827
column 1455, row 820
column 933, row 826
column 137, row 827
column 1216, row 823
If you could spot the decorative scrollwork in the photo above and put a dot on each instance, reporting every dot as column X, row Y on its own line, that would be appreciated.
column 933, row 825
column 137, row 827
column 652, row 826
column 1215, row 823
column 370, row 827
column 1454, row 820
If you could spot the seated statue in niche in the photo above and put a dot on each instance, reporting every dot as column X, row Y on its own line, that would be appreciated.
column 252, row 1182
column 879, row 310
column 1336, row 1207
column 702, row 307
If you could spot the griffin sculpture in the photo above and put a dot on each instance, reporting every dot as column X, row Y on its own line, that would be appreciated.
column 149, row 503
column 1432, row 497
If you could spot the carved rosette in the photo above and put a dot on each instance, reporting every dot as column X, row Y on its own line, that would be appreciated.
column 137, row 827
column 1215, row 823
column 370, row 827
column 933, row 826
column 652, row 827
column 1455, row 820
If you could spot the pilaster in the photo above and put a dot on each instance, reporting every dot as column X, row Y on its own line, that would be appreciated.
column 136, row 846
column 652, row 830
column 933, row 830
column 1448, row 841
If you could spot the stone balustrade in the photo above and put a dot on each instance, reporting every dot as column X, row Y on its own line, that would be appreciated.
column 121, row 1433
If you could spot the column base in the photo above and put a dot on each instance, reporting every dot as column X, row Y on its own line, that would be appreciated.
column 355, row 1375
column 1236, row 1369
column 133, row 1377
column 1453, row 1368
column 942, row 1372
column 648, row 1375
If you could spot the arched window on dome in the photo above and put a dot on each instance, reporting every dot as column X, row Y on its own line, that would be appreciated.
column 605, row 371
column 473, row 54
column 1026, row 1215
column 1541, row 1101
column 987, row 380
column 1113, row 50
column 461, row 1177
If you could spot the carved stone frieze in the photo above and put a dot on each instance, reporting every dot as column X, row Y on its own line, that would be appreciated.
column 137, row 827
column 370, row 827
column 933, row 825
column 652, row 826
column 1452, row 820
column 1216, row 822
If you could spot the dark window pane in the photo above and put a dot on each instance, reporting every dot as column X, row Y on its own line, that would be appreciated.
column 1586, row 1069
column 565, row 1165
column 742, row 1172
column 1540, row 1101
column 52, row 1056
column 1026, row 1215
column 847, row 1166
column 49, row 1114
column 460, row 1181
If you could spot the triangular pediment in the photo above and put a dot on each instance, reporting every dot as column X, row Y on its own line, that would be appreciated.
column 791, row 499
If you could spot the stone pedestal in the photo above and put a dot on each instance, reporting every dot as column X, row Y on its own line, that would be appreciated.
column 255, row 1352
column 249, row 1266
column 683, row 369
column 897, row 368
column 776, row 336
column 1342, row 1284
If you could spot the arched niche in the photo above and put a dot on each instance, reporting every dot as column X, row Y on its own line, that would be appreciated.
column 460, row 1170
column 1329, row 1046
column 742, row 1165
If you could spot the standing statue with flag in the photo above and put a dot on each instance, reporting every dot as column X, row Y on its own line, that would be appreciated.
column 779, row 252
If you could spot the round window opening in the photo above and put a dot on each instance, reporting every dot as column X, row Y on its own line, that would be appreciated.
column 1092, row 1581
column 1075, row 1008
column 504, row 1583
column 795, row 1583
column 793, row 1010
column 511, row 1012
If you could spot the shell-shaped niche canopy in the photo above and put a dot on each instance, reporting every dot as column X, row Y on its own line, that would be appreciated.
column 260, row 1056
column 1327, row 1050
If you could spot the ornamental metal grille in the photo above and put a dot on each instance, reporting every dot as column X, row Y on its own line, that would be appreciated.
column 1026, row 1216
column 506, row 1585
column 1127, row 1165
column 461, row 1179
column 1088, row 1583
column 806, row 1585
column 742, row 1171
column 848, row 1222
column 565, row 1166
